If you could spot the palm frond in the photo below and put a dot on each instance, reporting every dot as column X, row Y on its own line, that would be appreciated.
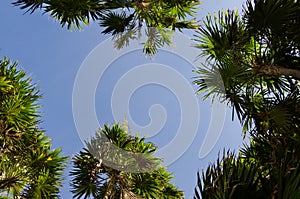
column 116, row 23
column 30, row 5
column 230, row 177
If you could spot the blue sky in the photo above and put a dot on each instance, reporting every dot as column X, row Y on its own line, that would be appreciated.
column 53, row 56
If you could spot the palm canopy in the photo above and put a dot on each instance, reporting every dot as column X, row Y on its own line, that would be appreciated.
column 265, row 37
column 101, row 172
column 123, row 19
column 29, row 168
column 267, row 167
column 253, row 64
column 255, row 58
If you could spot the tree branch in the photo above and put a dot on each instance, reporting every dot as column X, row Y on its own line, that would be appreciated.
column 7, row 182
column 270, row 70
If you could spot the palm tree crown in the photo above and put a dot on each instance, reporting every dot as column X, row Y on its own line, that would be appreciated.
column 101, row 171
column 29, row 167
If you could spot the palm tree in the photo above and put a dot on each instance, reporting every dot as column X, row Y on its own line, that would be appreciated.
column 29, row 168
column 255, row 58
column 248, row 64
column 102, row 171
column 123, row 19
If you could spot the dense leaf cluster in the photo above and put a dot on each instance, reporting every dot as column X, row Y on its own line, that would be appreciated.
column 29, row 167
column 118, row 165
column 123, row 19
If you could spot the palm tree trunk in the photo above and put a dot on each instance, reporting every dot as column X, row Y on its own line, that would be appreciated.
column 111, row 186
column 278, row 70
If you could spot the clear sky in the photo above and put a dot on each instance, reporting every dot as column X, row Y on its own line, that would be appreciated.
column 53, row 56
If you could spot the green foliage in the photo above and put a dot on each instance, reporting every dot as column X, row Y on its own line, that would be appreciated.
column 278, row 154
column 29, row 167
column 267, row 168
column 230, row 178
column 111, row 166
column 243, row 66
column 115, row 22
column 253, row 65
column 118, row 17
column 156, row 38
column 221, row 35
column 121, row 151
